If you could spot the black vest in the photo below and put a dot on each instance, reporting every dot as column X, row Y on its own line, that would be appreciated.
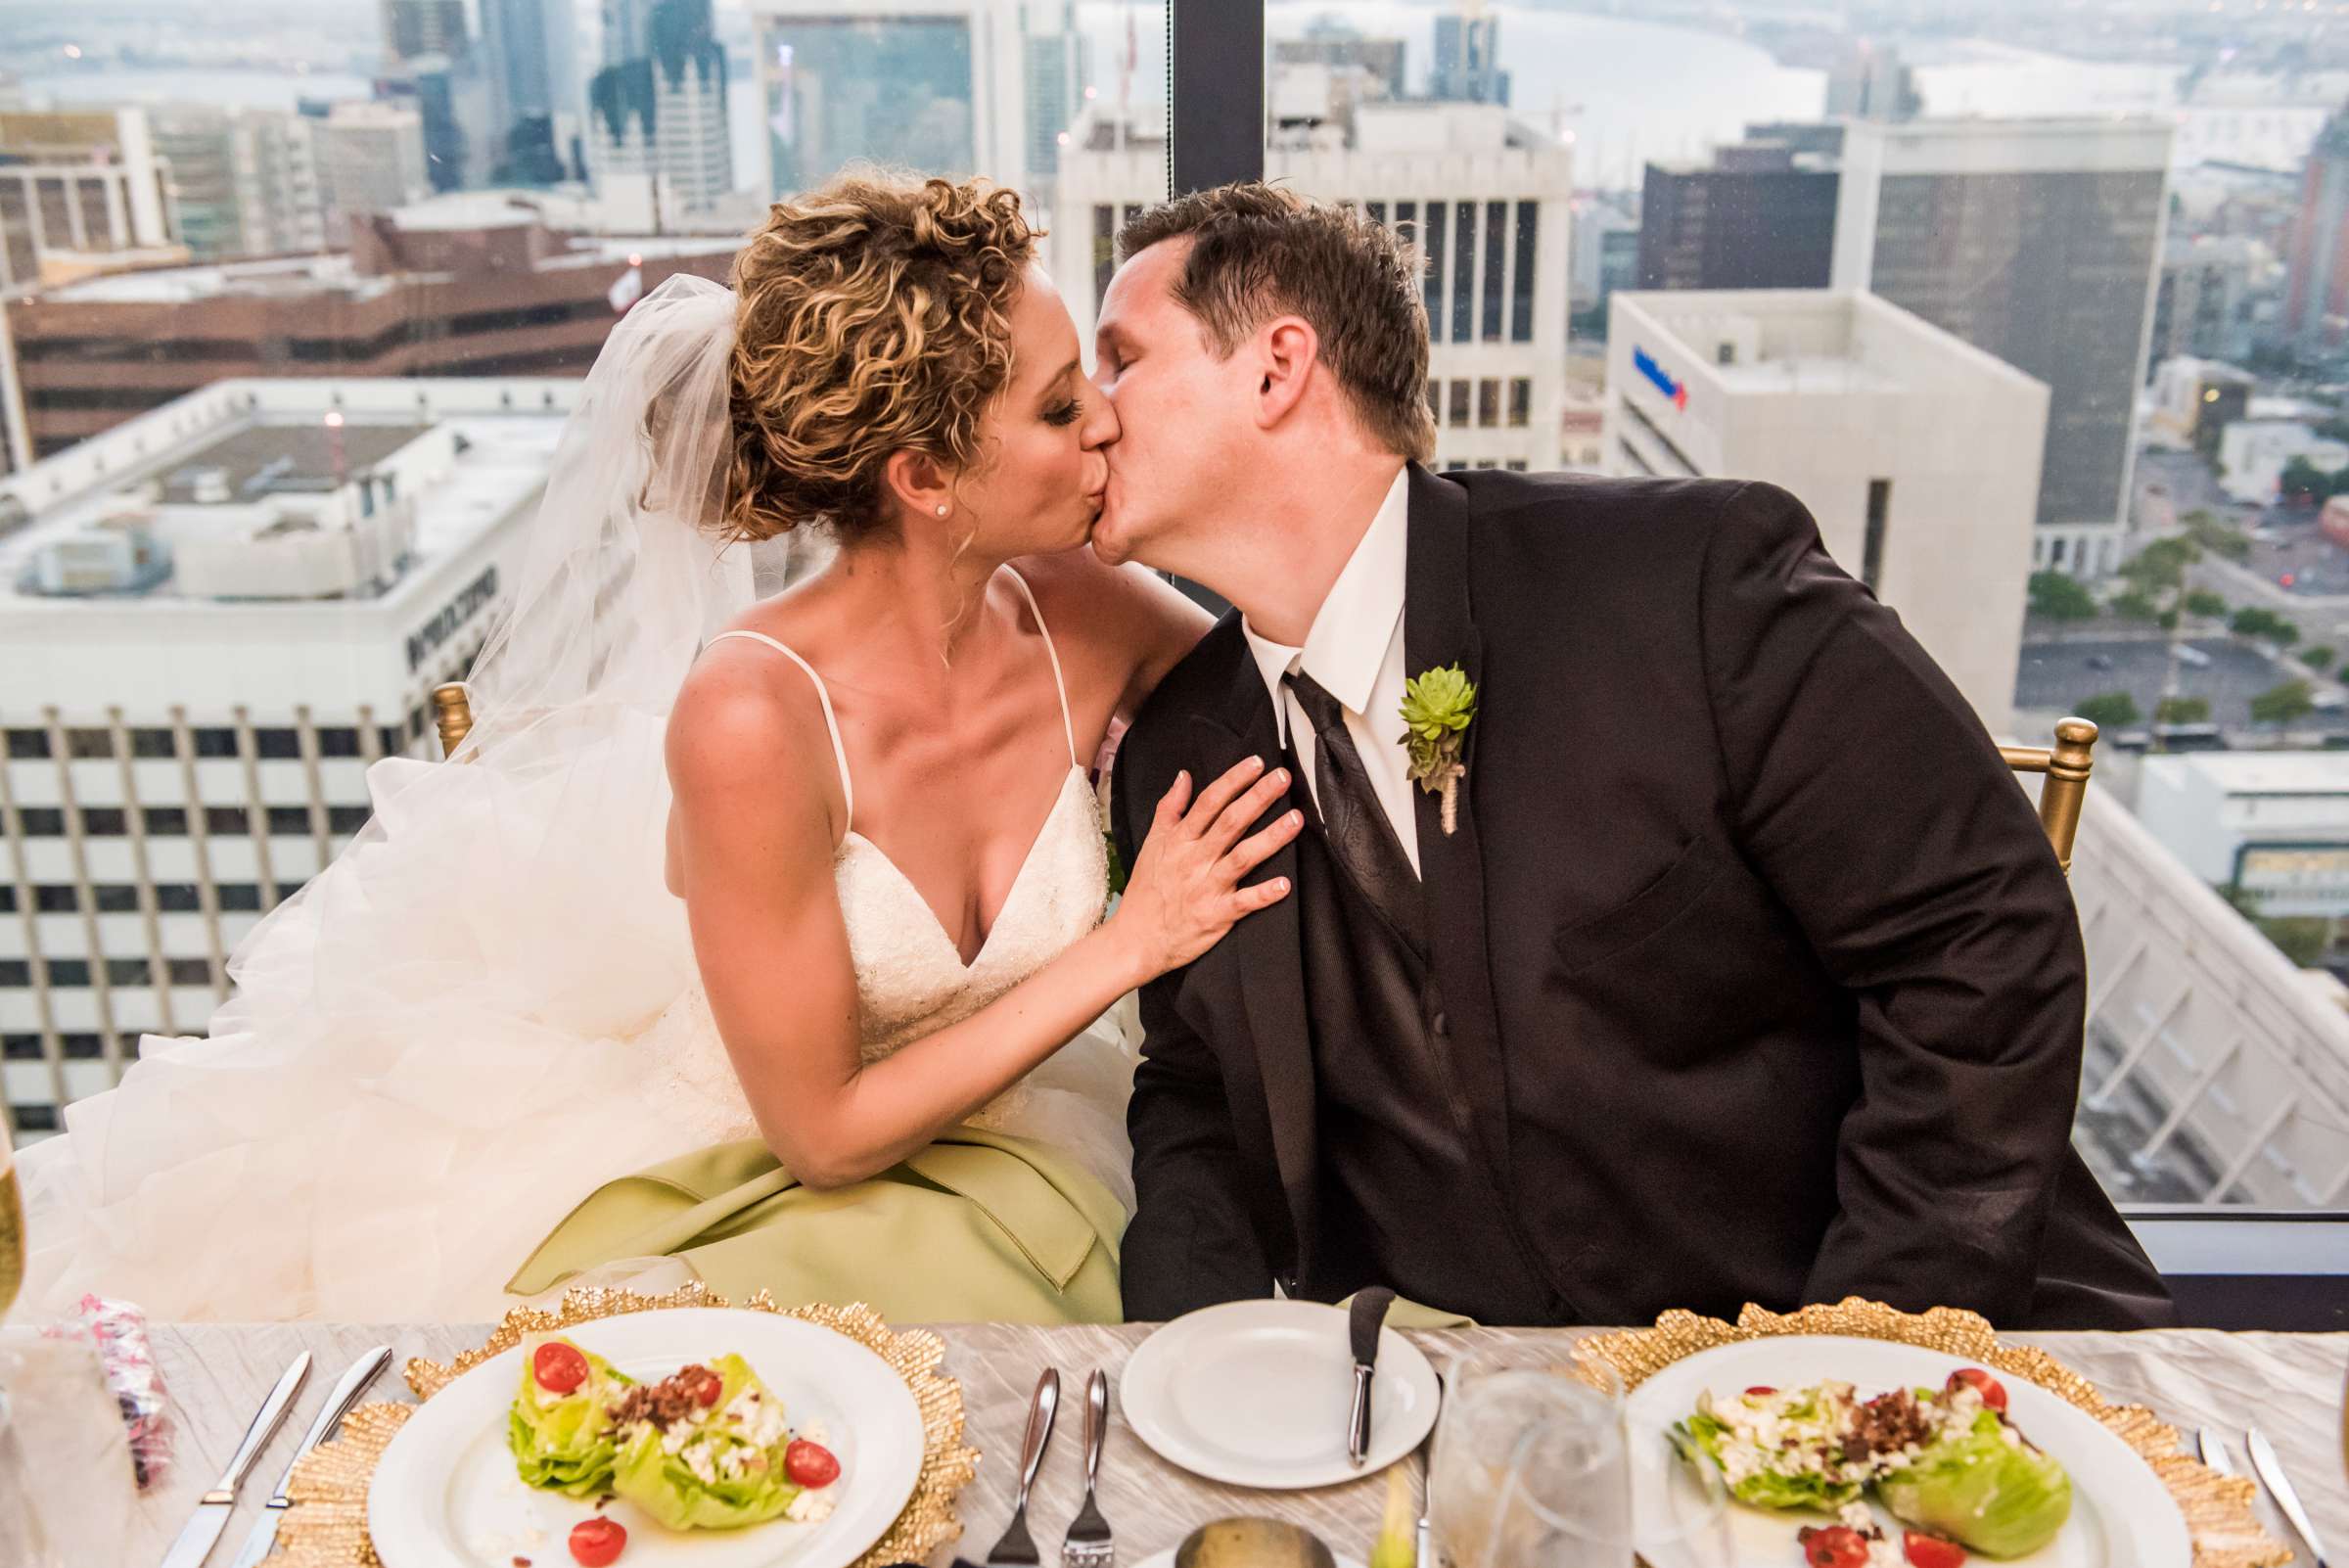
column 1393, row 1140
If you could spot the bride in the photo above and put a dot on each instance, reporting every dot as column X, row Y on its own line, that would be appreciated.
column 754, row 939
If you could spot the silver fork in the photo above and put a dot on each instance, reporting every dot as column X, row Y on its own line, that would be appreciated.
column 1017, row 1549
column 1088, row 1545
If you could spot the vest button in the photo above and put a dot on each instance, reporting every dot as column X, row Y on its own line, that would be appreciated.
column 1439, row 1024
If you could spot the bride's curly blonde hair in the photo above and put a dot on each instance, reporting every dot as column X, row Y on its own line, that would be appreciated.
column 874, row 315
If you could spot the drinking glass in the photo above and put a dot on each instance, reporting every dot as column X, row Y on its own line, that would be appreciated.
column 12, row 1226
column 1530, row 1467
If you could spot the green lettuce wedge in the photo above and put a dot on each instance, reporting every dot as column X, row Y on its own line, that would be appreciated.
column 711, row 1472
column 1984, row 1489
column 565, row 1442
column 1766, row 1487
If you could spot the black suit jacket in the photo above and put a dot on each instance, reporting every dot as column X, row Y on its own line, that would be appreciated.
column 1759, row 975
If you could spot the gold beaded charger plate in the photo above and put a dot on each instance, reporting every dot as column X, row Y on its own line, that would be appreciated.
column 2139, row 1501
column 435, row 1484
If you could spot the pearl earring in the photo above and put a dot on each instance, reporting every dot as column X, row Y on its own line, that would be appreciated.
column 941, row 509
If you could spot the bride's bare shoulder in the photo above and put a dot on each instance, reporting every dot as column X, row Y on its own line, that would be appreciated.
column 748, row 722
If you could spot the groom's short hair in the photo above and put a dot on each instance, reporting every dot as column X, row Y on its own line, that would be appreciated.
column 1258, row 251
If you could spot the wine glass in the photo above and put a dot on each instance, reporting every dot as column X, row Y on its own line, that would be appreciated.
column 1528, row 1465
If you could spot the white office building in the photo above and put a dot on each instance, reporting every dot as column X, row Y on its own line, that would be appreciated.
column 2253, row 454
column 370, row 159
column 1917, row 454
column 2276, row 824
column 2041, row 240
column 1486, row 198
column 214, row 617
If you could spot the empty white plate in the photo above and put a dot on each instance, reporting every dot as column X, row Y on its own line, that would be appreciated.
column 1256, row 1394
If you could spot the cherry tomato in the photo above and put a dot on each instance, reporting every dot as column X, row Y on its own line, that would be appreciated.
column 1760, row 1391
column 1931, row 1551
column 597, row 1542
column 1993, row 1392
column 810, row 1465
column 1833, row 1546
column 708, row 1388
column 559, row 1367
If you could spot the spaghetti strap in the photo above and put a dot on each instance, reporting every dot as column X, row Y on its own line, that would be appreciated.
column 1068, row 726
column 840, row 755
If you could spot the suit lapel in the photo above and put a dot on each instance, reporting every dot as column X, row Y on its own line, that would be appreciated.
column 1437, row 629
column 1268, row 952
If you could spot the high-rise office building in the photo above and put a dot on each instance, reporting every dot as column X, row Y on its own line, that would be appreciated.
column 415, row 28
column 1053, row 54
column 2316, row 306
column 528, row 54
column 664, row 114
column 1867, row 81
column 927, row 84
column 1757, row 216
column 82, row 190
column 2210, row 296
column 215, row 617
column 1468, row 63
column 1851, row 403
column 245, row 180
column 371, row 159
column 2039, row 241
column 1486, row 199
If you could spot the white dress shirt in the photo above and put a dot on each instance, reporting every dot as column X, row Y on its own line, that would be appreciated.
column 1354, row 650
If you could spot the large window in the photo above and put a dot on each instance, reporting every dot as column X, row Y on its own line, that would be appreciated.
column 2051, row 338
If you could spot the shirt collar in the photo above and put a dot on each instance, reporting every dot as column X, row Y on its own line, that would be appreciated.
column 1347, row 643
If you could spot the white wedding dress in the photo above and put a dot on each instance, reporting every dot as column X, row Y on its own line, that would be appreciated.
column 486, row 1007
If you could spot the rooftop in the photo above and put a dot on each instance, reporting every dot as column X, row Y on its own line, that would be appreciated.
column 467, row 455
column 1805, row 341
column 2263, row 772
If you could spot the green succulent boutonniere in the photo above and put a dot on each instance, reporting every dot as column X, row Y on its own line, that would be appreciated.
column 1437, row 708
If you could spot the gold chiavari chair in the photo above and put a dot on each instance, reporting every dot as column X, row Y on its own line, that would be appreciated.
column 452, row 709
column 2066, row 763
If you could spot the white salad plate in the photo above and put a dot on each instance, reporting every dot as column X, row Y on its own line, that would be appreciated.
column 2121, row 1515
column 445, row 1492
column 1257, row 1393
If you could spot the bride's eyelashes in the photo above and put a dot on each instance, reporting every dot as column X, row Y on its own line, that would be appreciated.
column 1065, row 413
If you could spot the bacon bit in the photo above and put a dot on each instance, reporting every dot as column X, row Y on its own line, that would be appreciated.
column 1887, row 1424
column 672, row 1399
column 522, row 1562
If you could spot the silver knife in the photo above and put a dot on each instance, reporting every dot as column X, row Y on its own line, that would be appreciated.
column 1364, row 1321
column 364, row 1371
column 2271, row 1470
column 2212, row 1450
column 196, row 1538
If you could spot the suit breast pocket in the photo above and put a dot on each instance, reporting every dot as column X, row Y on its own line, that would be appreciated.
column 1645, row 914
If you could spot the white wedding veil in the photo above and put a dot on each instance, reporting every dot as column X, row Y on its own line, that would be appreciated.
column 479, row 954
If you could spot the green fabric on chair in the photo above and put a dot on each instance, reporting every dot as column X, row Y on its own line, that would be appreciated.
column 979, row 1226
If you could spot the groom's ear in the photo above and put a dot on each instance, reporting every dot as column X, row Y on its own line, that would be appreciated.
column 1287, row 350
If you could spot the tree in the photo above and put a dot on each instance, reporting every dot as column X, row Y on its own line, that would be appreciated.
column 2202, row 602
column 2217, row 537
column 2182, row 711
column 2253, row 621
column 2281, row 704
column 2136, row 605
column 2320, row 658
column 2060, row 597
column 2109, row 710
column 2303, row 482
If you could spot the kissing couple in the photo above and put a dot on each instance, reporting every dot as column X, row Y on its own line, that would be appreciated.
column 1557, row 899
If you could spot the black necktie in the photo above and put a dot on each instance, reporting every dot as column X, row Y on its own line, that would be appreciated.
column 1359, row 834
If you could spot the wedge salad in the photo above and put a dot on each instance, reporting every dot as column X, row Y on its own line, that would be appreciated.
column 707, row 1447
column 1946, row 1462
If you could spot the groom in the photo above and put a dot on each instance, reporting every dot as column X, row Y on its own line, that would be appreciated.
column 1738, row 968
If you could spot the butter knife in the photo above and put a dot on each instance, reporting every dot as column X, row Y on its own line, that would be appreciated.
column 2279, row 1485
column 2211, row 1449
column 1364, row 1321
column 196, row 1538
column 364, row 1372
